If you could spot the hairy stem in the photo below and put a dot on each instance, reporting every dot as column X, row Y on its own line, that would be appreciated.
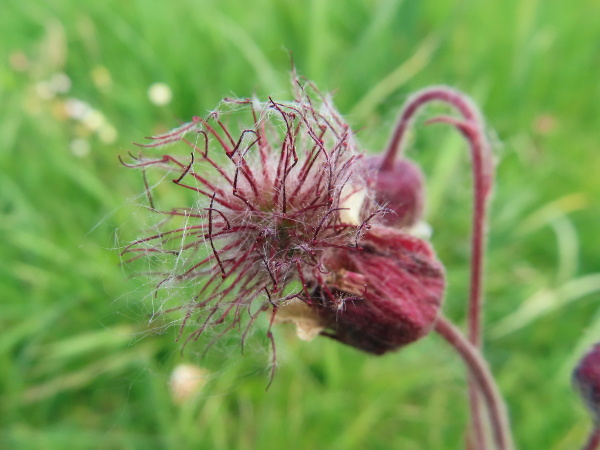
column 472, row 128
column 480, row 374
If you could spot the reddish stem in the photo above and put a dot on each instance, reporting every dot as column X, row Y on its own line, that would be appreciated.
column 471, row 127
column 593, row 441
column 481, row 375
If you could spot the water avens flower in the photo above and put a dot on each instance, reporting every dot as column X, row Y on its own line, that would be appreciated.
column 268, row 202
column 390, row 288
column 291, row 216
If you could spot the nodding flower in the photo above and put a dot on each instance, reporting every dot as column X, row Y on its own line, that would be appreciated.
column 390, row 289
column 290, row 216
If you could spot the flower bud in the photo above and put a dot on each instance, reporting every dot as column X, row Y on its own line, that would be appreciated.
column 399, row 189
column 383, row 295
column 586, row 379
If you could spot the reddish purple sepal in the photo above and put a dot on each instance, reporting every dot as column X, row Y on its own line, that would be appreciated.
column 399, row 189
column 388, row 292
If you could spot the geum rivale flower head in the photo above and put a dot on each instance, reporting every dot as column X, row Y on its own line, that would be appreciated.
column 289, row 216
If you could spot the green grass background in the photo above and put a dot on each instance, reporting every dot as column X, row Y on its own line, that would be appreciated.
column 81, row 367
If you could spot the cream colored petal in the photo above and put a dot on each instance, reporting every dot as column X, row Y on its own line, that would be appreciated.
column 308, row 323
column 352, row 202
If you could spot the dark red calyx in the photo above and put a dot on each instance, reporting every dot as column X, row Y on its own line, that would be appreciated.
column 400, row 189
column 384, row 296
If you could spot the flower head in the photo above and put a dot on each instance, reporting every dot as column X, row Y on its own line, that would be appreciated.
column 288, row 211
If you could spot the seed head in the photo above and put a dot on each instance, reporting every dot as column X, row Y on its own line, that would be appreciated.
column 270, row 201
column 289, row 215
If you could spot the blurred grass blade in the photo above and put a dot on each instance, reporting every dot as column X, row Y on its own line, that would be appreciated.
column 546, row 301
column 550, row 211
column 76, row 347
column 112, row 364
column 567, row 241
column 249, row 49
column 404, row 72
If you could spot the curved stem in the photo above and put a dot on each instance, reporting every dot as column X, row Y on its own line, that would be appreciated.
column 472, row 128
column 480, row 373
column 413, row 105
column 593, row 441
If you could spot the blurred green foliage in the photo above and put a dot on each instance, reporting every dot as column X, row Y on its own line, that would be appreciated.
column 81, row 366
